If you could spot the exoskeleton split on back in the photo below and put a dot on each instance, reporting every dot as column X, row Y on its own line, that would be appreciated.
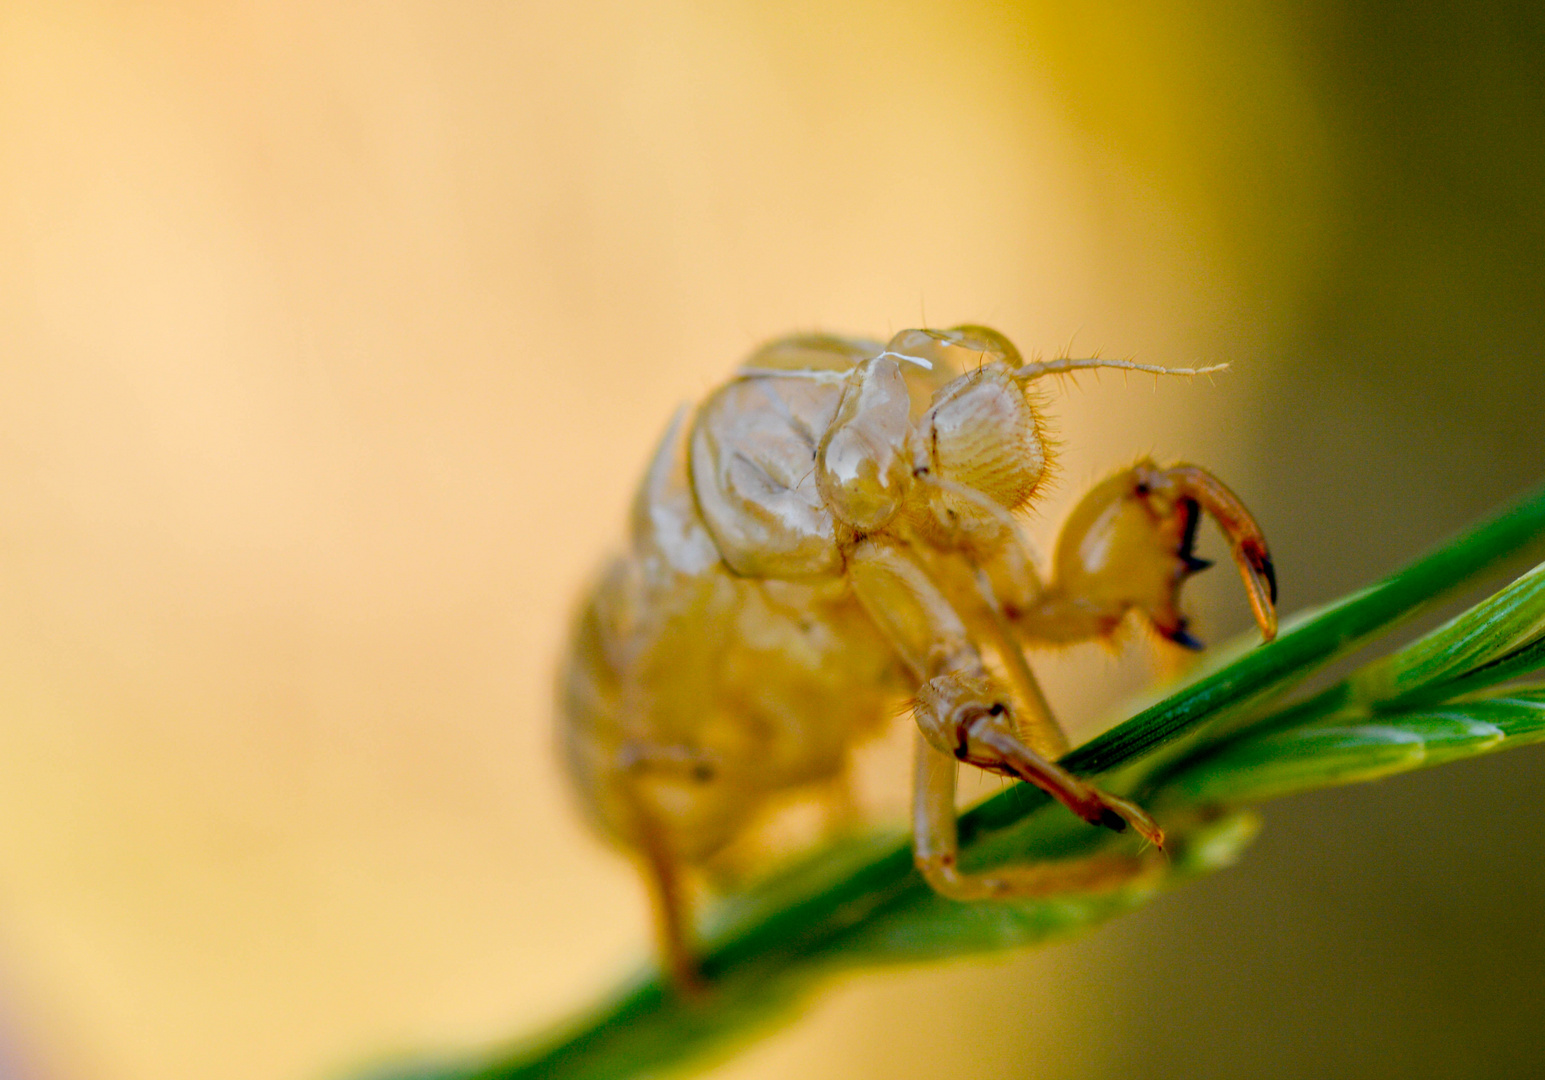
column 834, row 530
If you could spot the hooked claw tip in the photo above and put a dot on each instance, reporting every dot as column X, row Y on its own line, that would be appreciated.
column 1193, row 564
column 1269, row 572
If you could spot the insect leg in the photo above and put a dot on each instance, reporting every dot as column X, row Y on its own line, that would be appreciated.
column 936, row 848
column 960, row 709
column 1006, row 581
column 1195, row 485
column 661, row 865
column 1037, row 723
column 662, row 874
column 1129, row 545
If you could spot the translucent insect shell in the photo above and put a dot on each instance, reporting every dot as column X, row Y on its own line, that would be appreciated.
column 829, row 533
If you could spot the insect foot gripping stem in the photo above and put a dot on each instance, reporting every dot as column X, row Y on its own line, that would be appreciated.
column 1130, row 544
column 935, row 830
column 960, row 719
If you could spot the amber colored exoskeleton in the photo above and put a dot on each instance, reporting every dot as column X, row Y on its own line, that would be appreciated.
column 831, row 532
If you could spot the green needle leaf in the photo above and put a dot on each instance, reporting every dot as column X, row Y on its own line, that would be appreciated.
column 1504, row 626
column 1284, row 762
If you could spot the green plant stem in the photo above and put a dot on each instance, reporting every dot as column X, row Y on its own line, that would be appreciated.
column 829, row 911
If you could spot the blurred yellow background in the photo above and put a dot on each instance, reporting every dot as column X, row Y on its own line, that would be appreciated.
column 332, row 341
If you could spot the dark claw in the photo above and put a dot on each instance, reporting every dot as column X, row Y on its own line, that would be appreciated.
column 1182, row 637
column 1190, row 562
column 1270, row 573
column 1193, row 514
